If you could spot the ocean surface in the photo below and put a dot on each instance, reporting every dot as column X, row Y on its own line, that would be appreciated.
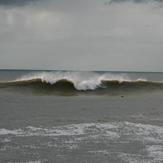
column 84, row 117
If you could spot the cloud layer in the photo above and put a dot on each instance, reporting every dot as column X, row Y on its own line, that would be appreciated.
column 82, row 35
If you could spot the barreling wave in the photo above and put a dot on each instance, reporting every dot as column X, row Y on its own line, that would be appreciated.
column 82, row 82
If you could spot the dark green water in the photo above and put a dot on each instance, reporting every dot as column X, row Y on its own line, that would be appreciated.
column 83, row 121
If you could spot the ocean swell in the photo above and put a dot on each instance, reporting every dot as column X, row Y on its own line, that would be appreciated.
column 81, row 81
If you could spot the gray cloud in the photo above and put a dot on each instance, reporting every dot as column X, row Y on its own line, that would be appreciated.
column 16, row 2
column 136, row 1
column 82, row 35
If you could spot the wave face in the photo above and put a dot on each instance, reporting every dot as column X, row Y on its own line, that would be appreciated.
column 82, row 82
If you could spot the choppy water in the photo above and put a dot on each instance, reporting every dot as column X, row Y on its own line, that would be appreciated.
column 106, row 117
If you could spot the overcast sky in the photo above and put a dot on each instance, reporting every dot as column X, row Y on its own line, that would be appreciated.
column 125, row 35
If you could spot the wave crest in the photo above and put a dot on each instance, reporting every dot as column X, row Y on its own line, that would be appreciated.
column 82, row 81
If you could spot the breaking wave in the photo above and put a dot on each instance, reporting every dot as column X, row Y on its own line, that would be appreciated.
column 81, row 82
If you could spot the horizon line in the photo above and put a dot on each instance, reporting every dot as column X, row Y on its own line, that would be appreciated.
column 129, row 71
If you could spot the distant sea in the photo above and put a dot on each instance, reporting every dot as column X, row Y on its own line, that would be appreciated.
column 80, row 116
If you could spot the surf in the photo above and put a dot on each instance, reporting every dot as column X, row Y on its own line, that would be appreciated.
column 81, row 82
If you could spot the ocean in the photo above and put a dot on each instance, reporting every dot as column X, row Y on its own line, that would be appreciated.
column 80, row 116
